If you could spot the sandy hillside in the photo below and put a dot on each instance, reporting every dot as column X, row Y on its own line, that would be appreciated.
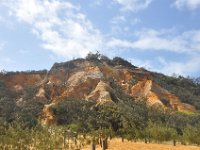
column 116, row 144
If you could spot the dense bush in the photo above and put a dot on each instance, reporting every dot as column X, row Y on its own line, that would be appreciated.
column 191, row 134
column 123, row 62
column 131, row 120
column 127, row 119
column 186, row 89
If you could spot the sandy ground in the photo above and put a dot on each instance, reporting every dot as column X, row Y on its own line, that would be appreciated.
column 116, row 144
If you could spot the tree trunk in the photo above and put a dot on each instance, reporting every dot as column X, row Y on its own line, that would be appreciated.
column 135, row 140
column 100, row 141
column 84, row 136
column 104, row 144
column 93, row 145
column 75, row 141
column 183, row 143
column 145, row 140
column 110, row 137
column 64, row 141
column 174, row 142
column 149, row 140
column 122, row 139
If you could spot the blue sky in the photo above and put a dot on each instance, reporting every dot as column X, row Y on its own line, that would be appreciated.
column 160, row 35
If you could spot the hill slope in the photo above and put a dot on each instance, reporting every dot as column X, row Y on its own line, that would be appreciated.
column 95, row 78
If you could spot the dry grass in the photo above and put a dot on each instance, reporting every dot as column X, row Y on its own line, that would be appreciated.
column 116, row 144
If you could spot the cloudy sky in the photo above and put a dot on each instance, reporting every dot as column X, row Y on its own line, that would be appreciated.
column 160, row 35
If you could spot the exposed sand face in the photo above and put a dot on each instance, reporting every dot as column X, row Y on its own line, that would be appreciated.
column 117, row 144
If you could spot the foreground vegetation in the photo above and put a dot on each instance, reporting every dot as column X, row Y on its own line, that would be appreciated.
column 82, row 122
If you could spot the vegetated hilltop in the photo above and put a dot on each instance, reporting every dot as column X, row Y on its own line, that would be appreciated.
column 95, row 78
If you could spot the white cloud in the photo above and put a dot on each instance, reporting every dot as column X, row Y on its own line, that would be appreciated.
column 135, row 21
column 118, row 20
column 133, row 5
column 67, row 32
column 122, row 25
column 125, row 5
column 1, row 19
column 61, row 26
column 190, row 4
column 96, row 3
column 22, row 51
column 186, row 42
column 123, row 20
column 7, row 63
column 2, row 45
column 5, row 22
column 141, row 63
column 119, row 25
column 7, row 60
column 185, row 68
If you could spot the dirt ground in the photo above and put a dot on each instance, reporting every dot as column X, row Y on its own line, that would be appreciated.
column 116, row 144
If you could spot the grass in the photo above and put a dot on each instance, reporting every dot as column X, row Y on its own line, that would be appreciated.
column 117, row 144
